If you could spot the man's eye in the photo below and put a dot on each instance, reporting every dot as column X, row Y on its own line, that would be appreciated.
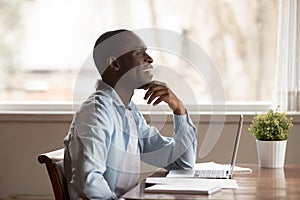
column 139, row 52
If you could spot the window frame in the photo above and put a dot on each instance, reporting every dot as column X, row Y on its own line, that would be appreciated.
column 67, row 107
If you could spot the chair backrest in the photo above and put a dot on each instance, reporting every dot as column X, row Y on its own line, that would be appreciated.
column 54, row 163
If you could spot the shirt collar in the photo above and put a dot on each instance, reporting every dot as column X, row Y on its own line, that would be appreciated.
column 109, row 91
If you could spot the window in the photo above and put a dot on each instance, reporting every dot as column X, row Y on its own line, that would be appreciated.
column 45, row 43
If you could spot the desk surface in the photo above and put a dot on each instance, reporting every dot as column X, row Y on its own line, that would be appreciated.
column 281, row 183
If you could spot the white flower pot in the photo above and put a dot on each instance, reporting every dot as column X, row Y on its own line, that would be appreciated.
column 271, row 154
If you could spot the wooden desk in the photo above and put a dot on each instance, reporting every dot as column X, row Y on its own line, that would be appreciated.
column 262, row 183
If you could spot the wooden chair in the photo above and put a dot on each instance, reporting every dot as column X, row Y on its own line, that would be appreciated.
column 54, row 163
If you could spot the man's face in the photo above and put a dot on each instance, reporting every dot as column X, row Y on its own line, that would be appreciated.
column 135, row 66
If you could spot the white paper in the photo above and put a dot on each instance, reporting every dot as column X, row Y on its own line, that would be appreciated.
column 184, row 189
column 216, row 166
column 223, row 183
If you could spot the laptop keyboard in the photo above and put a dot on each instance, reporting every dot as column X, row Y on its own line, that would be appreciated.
column 209, row 173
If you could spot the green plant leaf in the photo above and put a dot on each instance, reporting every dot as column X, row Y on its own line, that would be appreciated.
column 271, row 126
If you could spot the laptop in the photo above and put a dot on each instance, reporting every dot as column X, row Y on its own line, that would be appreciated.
column 218, row 173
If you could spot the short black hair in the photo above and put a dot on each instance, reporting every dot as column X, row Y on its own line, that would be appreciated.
column 107, row 35
column 100, row 40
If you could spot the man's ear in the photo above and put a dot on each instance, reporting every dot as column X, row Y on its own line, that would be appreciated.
column 113, row 63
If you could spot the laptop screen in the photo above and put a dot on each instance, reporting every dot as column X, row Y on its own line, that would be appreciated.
column 236, row 143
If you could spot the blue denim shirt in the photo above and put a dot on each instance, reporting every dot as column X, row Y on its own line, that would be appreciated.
column 97, row 141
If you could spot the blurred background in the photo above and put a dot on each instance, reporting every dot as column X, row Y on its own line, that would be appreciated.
column 43, row 43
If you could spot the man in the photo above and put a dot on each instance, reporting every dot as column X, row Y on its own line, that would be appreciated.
column 109, row 136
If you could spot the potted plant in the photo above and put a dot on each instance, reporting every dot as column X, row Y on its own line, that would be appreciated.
column 271, row 132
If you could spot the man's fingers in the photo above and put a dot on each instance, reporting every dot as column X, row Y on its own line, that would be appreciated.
column 153, row 83
column 157, row 93
column 152, row 90
column 160, row 99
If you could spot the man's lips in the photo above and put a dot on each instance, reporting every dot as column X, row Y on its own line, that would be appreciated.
column 148, row 69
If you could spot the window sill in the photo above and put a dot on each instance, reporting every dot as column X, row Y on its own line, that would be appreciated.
column 69, row 107
column 63, row 112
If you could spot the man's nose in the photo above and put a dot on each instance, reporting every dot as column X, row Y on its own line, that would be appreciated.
column 148, row 59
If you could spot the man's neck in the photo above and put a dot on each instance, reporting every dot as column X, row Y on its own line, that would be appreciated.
column 125, row 95
column 123, row 89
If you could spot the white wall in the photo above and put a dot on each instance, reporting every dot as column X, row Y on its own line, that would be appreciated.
column 24, row 136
